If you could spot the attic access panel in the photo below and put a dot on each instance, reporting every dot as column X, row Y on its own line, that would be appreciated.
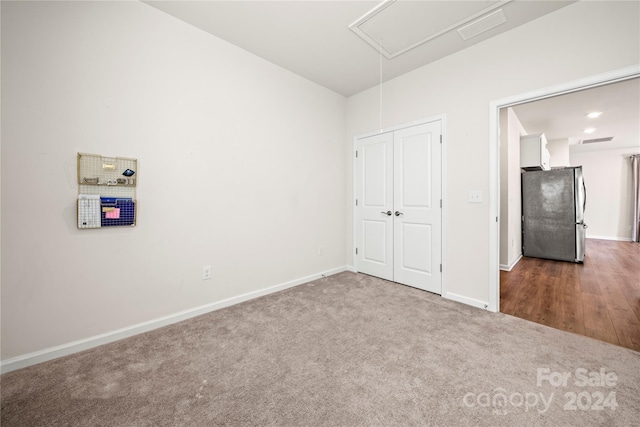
column 394, row 27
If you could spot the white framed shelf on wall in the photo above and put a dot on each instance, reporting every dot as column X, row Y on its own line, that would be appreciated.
column 106, row 191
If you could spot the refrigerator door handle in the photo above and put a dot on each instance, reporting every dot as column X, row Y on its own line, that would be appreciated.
column 584, row 191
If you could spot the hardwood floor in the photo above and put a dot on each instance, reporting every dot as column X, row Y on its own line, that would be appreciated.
column 599, row 299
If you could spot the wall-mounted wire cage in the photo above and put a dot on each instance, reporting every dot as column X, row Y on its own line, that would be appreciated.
column 106, row 191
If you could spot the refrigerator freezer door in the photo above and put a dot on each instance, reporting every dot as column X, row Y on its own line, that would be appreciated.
column 549, row 215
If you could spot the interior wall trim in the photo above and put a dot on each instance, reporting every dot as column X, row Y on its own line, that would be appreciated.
column 466, row 300
column 617, row 239
column 509, row 267
column 51, row 353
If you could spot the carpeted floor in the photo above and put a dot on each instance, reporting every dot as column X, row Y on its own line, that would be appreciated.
column 347, row 350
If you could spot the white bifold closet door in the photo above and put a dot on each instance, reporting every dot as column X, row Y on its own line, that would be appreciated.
column 398, row 213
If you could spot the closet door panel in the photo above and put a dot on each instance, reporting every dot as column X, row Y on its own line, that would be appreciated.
column 417, row 212
column 374, row 224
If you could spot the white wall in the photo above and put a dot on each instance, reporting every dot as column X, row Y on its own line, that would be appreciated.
column 574, row 42
column 607, row 176
column 241, row 167
column 510, row 194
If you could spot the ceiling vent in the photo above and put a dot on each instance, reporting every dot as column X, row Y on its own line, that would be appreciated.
column 394, row 27
column 483, row 24
column 593, row 141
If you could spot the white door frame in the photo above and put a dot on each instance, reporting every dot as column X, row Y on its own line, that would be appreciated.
column 494, row 158
column 443, row 228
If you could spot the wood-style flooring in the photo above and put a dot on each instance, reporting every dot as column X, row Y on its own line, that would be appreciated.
column 599, row 299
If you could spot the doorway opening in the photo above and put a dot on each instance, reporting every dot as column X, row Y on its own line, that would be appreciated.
column 503, row 233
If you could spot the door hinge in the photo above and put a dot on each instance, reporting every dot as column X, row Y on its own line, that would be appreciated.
column 356, row 153
column 440, row 203
column 356, row 251
column 496, row 219
column 440, row 139
column 440, row 268
column 356, row 202
column 522, row 217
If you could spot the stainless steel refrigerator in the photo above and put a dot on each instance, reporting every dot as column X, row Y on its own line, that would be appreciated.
column 553, row 204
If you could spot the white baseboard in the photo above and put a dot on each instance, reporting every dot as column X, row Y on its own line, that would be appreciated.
column 509, row 267
column 619, row 239
column 466, row 300
column 45, row 355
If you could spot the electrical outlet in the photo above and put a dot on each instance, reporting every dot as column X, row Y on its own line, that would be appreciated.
column 320, row 250
column 206, row 272
column 475, row 196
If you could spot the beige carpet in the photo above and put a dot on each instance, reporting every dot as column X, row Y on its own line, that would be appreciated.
column 348, row 350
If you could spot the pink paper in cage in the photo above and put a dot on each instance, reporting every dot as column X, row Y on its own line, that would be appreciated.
column 114, row 214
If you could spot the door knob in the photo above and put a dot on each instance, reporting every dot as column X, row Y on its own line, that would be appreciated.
column 399, row 213
column 387, row 213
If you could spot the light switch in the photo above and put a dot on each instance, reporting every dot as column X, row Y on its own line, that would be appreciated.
column 475, row 196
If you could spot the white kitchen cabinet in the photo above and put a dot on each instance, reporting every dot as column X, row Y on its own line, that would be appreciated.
column 534, row 153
